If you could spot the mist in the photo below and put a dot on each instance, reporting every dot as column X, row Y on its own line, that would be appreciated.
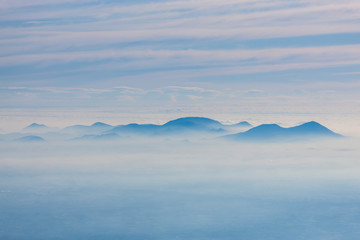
column 161, row 188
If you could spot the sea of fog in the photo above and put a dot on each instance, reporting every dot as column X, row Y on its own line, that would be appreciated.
column 172, row 189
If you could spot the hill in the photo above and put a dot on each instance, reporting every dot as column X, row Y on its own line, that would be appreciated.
column 266, row 132
column 177, row 126
column 30, row 138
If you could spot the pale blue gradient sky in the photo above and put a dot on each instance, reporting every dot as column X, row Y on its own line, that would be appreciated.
column 179, row 57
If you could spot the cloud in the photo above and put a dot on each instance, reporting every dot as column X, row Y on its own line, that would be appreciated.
column 191, row 89
column 8, row 4
column 62, row 40
column 129, row 90
column 238, row 61
column 253, row 92
column 147, row 35
column 58, row 89
column 139, row 22
column 185, row 50
column 348, row 73
column 162, row 76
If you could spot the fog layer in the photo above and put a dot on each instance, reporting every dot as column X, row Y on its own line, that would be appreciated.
column 172, row 189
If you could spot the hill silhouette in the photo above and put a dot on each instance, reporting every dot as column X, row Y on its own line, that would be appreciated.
column 95, row 128
column 275, row 132
column 194, row 127
column 30, row 138
column 177, row 126
column 35, row 126
column 242, row 124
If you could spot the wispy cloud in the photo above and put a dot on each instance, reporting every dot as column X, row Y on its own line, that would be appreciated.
column 106, row 52
column 348, row 73
column 9, row 4
column 295, row 57
column 192, row 89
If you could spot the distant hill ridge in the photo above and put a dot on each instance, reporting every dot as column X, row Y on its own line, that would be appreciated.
column 100, row 124
column 183, row 125
column 193, row 126
column 36, row 126
column 242, row 124
column 30, row 139
column 177, row 126
column 274, row 131
column 97, row 127
column 191, row 122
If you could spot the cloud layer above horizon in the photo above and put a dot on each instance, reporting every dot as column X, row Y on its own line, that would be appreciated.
column 173, row 54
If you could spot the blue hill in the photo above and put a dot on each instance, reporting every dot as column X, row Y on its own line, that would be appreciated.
column 101, row 125
column 194, row 123
column 31, row 138
column 275, row 132
column 36, row 126
column 242, row 124
column 177, row 126
column 95, row 128
column 191, row 124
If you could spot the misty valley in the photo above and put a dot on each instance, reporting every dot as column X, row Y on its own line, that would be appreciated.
column 190, row 178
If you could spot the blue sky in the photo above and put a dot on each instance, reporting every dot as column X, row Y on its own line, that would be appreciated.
column 274, row 56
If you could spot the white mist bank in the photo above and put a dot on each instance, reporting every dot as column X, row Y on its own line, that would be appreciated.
column 180, row 190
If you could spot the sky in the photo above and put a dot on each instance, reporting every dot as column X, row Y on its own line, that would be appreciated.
column 94, row 59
